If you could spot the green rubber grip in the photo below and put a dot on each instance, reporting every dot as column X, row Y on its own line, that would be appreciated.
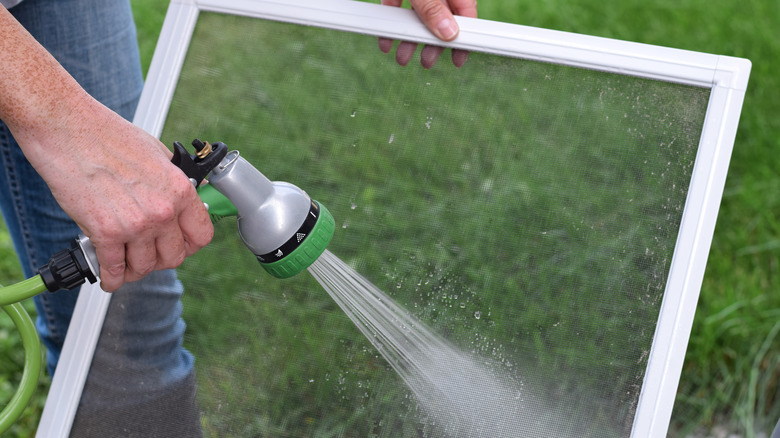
column 219, row 205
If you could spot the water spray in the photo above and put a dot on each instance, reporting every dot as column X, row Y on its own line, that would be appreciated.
column 283, row 227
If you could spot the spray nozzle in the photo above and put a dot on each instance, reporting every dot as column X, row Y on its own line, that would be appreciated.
column 285, row 229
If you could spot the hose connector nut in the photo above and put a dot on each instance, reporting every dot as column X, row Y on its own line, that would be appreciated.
column 66, row 269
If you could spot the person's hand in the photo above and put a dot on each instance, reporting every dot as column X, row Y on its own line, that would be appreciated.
column 117, row 183
column 113, row 179
column 438, row 18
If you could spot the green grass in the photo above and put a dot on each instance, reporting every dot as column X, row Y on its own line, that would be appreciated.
column 730, row 375
column 460, row 189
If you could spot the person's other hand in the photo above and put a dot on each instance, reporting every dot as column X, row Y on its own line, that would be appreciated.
column 437, row 15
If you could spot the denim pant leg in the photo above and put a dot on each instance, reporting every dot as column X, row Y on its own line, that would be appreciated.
column 139, row 356
column 81, row 36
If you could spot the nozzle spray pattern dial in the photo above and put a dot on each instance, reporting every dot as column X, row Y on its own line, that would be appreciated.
column 303, row 232
column 308, row 249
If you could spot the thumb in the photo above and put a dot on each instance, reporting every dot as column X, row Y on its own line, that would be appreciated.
column 437, row 18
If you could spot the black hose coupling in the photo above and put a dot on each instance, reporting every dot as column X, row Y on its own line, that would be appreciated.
column 67, row 269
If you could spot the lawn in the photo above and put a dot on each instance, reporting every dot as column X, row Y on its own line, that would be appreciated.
column 533, row 194
column 730, row 373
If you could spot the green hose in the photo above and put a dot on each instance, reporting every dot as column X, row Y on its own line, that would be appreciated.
column 21, row 291
column 218, row 204
column 9, row 300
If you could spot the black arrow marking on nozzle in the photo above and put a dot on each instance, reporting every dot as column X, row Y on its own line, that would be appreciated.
column 289, row 246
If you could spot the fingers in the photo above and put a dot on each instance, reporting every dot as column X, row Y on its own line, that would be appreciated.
column 464, row 8
column 385, row 45
column 459, row 57
column 405, row 52
column 196, row 227
column 140, row 258
column 112, row 265
column 170, row 249
column 430, row 54
column 136, row 259
column 438, row 17
column 132, row 261
column 153, row 238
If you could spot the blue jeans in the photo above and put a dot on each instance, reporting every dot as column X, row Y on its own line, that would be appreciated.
column 140, row 353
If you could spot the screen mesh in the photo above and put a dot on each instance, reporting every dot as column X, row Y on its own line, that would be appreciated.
column 524, row 214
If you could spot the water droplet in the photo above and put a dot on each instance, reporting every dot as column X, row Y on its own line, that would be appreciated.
column 392, row 137
column 353, row 113
column 477, row 314
column 462, row 305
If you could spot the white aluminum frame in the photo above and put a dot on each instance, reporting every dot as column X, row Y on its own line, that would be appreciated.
column 726, row 77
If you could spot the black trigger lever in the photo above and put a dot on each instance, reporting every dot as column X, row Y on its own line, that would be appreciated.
column 198, row 165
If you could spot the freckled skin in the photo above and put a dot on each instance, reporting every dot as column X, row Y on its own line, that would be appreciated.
column 115, row 180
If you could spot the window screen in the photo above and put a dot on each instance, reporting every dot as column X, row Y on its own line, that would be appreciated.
column 512, row 224
column 525, row 212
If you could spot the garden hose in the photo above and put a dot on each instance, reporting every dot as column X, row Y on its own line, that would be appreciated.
column 10, row 298
column 285, row 229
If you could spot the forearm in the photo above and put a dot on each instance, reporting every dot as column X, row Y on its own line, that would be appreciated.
column 36, row 93
column 112, row 178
